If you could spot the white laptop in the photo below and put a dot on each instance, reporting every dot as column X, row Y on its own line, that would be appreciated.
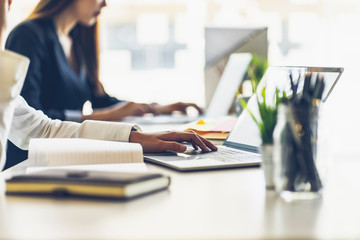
column 222, row 100
column 240, row 149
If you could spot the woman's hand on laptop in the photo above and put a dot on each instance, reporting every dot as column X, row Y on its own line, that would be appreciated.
column 124, row 109
column 119, row 111
column 162, row 141
column 170, row 108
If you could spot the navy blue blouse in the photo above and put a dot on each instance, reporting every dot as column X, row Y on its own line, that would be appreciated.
column 51, row 84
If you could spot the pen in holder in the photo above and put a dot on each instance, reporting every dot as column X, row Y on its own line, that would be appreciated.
column 295, row 142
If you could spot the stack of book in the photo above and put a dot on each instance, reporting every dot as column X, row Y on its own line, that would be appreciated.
column 75, row 167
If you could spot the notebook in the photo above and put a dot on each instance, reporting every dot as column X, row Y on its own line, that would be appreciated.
column 86, row 183
column 241, row 147
column 222, row 100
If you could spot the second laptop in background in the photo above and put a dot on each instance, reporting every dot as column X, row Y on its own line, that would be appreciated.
column 222, row 100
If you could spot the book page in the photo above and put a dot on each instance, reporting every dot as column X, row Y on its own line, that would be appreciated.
column 76, row 151
column 114, row 167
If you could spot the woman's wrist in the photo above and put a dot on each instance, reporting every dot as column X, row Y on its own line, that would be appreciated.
column 135, row 137
column 156, row 108
column 101, row 115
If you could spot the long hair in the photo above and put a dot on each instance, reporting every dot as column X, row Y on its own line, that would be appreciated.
column 88, row 39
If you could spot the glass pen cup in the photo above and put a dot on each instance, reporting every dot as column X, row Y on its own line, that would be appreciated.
column 295, row 151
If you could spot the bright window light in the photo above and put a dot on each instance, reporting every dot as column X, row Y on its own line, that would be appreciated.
column 152, row 28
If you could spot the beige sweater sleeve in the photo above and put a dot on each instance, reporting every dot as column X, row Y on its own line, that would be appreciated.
column 28, row 123
column 13, row 68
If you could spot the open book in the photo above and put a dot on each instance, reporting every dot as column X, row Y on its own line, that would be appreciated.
column 76, row 151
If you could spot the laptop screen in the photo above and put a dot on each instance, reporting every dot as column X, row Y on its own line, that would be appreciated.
column 229, row 83
column 245, row 133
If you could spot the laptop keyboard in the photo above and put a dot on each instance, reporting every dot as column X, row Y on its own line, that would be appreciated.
column 223, row 154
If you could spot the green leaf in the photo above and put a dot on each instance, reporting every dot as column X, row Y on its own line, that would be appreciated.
column 268, row 113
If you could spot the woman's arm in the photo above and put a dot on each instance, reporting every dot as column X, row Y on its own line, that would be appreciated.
column 118, row 111
column 29, row 123
column 175, row 107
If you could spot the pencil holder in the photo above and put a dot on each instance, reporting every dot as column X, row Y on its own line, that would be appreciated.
column 295, row 147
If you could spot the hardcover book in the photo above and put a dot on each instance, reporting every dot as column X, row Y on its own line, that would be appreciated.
column 77, row 183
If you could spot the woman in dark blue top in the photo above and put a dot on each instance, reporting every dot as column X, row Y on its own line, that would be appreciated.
column 52, row 85
column 60, row 39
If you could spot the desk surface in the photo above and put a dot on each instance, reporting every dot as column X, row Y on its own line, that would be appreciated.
column 225, row 204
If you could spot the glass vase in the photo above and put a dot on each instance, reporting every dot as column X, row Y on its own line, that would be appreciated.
column 295, row 150
column 267, row 165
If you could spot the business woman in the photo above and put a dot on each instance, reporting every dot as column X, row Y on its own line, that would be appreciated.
column 61, row 40
column 19, row 122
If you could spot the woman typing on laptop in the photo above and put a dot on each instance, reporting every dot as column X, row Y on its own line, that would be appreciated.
column 19, row 122
column 61, row 40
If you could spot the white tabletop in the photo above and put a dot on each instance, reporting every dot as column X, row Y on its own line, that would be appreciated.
column 224, row 204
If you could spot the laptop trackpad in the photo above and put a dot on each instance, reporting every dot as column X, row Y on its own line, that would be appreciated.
column 203, row 162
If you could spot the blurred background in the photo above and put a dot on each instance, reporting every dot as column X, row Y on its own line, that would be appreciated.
column 154, row 50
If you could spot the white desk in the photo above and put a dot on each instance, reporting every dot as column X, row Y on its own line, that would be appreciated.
column 226, row 204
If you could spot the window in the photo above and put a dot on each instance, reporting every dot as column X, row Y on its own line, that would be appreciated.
column 153, row 50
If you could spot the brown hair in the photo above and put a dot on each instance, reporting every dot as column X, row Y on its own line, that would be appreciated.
column 88, row 39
